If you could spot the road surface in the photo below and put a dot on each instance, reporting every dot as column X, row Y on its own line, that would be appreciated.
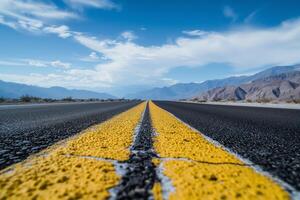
column 142, row 153
column 268, row 137
column 27, row 129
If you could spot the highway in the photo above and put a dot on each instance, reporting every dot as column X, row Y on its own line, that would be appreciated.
column 145, row 152
column 27, row 129
column 268, row 137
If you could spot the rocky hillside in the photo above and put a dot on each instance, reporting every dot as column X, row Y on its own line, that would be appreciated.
column 189, row 90
column 283, row 87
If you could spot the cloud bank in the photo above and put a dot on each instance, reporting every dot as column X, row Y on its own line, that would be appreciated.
column 123, row 60
column 241, row 48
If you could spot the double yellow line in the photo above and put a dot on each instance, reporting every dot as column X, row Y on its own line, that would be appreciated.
column 80, row 169
column 199, row 169
column 83, row 167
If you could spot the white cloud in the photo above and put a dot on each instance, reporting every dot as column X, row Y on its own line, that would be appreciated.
column 7, row 23
column 62, row 31
column 30, row 15
column 11, row 63
column 60, row 64
column 30, row 25
column 241, row 48
column 229, row 12
column 93, row 55
column 195, row 32
column 251, row 16
column 45, row 63
column 93, row 43
column 103, row 4
column 128, row 35
column 23, row 8
column 36, row 63
column 23, row 62
column 170, row 81
column 70, row 79
column 132, row 63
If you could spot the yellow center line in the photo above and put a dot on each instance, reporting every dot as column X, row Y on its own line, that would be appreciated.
column 66, row 172
column 110, row 139
column 199, row 169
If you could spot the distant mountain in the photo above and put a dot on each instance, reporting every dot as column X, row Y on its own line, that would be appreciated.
column 188, row 90
column 282, row 87
column 15, row 90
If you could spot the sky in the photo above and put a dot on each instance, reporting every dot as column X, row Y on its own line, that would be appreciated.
column 123, row 46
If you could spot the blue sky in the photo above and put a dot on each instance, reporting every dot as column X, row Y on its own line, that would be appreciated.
column 129, row 45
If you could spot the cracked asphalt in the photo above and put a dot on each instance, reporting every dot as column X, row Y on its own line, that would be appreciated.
column 268, row 137
column 140, row 175
column 27, row 129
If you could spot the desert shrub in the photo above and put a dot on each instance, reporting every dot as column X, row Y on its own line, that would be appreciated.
column 202, row 100
column 194, row 99
column 27, row 98
column 264, row 100
column 49, row 100
column 68, row 99
column 232, row 99
column 296, row 100
column 217, row 99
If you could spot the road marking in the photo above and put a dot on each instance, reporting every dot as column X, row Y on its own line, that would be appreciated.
column 199, row 169
column 82, row 168
column 110, row 140
column 157, row 191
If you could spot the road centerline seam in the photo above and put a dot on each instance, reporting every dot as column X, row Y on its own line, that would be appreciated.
column 140, row 173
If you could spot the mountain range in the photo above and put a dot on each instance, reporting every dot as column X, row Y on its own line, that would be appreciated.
column 189, row 90
column 174, row 92
column 16, row 90
column 283, row 87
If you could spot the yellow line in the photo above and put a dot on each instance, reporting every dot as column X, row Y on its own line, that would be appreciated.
column 65, row 174
column 157, row 191
column 110, row 140
column 200, row 170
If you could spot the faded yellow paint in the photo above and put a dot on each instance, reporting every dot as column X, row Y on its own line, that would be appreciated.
column 200, row 170
column 63, row 172
column 59, row 177
column 156, row 161
column 157, row 191
column 110, row 139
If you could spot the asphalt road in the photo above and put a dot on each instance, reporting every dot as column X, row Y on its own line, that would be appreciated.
column 27, row 129
column 268, row 137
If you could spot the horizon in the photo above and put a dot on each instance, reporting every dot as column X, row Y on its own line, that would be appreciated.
column 57, row 86
column 122, row 47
